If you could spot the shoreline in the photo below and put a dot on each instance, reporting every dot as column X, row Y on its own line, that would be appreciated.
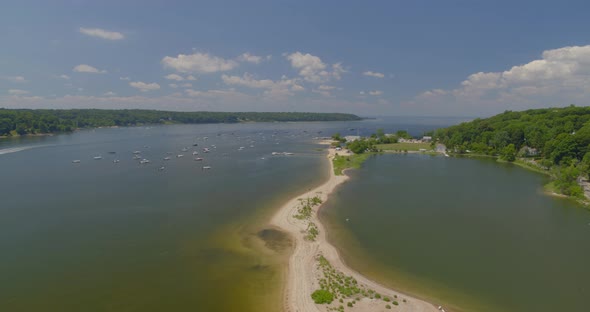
column 302, row 273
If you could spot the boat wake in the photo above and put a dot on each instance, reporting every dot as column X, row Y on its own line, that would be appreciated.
column 17, row 149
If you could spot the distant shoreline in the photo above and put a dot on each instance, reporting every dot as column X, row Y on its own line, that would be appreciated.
column 303, row 269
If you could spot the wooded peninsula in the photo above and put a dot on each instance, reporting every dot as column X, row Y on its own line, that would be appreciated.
column 42, row 121
column 552, row 140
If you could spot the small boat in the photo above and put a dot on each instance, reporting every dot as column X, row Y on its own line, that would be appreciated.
column 195, row 144
column 112, row 152
column 77, row 161
column 97, row 157
column 179, row 155
column 184, row 149
column 206, row 167
column 144, row 161
column 241, row 148
column 195, row 153
column 136, row 157
column 166, row 158
column 116, row 161
column 161, row 169
column 275, row 153
column 198, row 159
column 288, row 154
column 206, row 150
column 137, row 152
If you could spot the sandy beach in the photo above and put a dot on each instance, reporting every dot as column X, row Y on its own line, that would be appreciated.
column 304, row 274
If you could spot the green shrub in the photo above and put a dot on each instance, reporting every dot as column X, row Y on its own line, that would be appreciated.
column 349, row 304
column 322, row 296
column 396, row 303
column 388, row 307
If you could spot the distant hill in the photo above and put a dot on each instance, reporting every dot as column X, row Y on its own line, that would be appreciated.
column 39, row 121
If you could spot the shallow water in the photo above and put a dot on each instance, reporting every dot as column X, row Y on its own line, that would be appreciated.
column 471, row 234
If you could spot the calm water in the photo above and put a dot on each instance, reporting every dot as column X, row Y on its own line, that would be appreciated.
column 104, row 236
column 472, row 234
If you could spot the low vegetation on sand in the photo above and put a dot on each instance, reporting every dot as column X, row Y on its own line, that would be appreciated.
column 351, row 161
column 413, row 147
column 335, row 285
column 304, row 212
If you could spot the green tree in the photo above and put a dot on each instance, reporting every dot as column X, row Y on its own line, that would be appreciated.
column 509, row 152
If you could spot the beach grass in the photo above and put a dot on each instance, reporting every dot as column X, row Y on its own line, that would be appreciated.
column 351, row 161
column 404, row 146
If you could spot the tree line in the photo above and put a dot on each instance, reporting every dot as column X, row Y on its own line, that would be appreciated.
column 41, row 121
column 556, row 139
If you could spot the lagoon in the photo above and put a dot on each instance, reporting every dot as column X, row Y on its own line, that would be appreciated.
column 470, row 234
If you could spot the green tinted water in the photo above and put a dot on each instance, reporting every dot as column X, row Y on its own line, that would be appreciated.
column 474, row 235
column 104, row 236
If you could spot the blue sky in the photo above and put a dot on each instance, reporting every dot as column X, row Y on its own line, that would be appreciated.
column 427, row 58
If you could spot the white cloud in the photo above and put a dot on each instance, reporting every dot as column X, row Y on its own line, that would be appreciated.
column 66, row 77
column 17, row 79
column 124, row 78
column 561, row 77
column 326, row 88
column 101, row 33
column 84, row 68
column 187, row 85
column 281, row 87
column 110, row 93
column 362, row 93
column 17, row 92
column 312, row 69
column 375, row 92
column 190, row 77
column 198, row 63
column 173, row 85
column 247, row 57
column 144, row 87
column 174, row 77
column 374, row 74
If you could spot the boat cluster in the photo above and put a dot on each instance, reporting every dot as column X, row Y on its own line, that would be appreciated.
column 144, row 161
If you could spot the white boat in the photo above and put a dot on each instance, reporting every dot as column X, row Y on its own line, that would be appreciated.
column 241, row 148
column 206, row 150
column 195, row 153
column 97, row 157
column 77, row 161
column 198, row 159
column 136, row 157
column 275, row 153
column 137, row 152
column 166, row 158
column 184, row 149
column 179, row 155
column 206, row 167
column 161, row 168
column 288, row 154
column 144, row 161
column 116, row 161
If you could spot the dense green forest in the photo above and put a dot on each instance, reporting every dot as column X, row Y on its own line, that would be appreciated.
column 27, row 121
column 553, row 139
